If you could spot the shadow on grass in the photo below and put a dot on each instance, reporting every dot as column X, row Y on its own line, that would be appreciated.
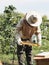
column 6, row 63
column 11, row 63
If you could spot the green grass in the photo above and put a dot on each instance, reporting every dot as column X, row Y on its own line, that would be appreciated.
column 8, row 58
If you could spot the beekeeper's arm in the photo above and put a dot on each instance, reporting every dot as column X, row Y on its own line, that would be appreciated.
column 39, row 36
column 17, row 32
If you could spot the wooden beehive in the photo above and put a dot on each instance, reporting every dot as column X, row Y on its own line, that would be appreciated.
column 42, row 59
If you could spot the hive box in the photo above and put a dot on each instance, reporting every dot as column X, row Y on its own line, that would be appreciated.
column 42, row 58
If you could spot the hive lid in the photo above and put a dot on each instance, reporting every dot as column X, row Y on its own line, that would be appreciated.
column 43, row 54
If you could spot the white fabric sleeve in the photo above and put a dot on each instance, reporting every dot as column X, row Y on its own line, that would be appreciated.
column 18, row 39
column 17, row 34
column 39, row 36
column 39, row 39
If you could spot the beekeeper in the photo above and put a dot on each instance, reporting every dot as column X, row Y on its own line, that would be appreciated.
column 25, row 29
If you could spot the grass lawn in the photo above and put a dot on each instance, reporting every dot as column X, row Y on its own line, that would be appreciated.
column 7, row 59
